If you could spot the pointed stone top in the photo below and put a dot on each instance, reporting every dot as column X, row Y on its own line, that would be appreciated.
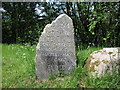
column 63, row 18
column 63, row 15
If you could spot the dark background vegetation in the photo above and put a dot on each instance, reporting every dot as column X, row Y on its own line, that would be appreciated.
column 95, row 24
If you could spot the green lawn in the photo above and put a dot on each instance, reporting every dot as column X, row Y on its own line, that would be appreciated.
column 18, row 71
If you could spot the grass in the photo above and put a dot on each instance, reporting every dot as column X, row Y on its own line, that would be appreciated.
column 18, row 71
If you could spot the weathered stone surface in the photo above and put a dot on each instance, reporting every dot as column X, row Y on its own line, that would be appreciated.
column 104, row 61
column 55, row 52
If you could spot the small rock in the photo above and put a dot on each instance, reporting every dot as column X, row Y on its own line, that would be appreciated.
column 104, row 61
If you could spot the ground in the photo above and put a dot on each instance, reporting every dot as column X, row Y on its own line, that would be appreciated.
column 18, row 71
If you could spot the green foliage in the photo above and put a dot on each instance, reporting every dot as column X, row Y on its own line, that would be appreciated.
column 19, row 23
column 18, row 71
column 102, row 23
column 94, row 22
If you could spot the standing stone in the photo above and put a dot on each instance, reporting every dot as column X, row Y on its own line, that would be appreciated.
column 55, row 52
column 104, row 61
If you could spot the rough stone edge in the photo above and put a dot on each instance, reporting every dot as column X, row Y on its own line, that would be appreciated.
column 49, row 25
column 59, row 17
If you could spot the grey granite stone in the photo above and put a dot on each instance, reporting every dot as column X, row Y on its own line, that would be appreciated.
column 55, row 52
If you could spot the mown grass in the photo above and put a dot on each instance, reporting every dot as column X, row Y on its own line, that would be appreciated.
column 18, row 71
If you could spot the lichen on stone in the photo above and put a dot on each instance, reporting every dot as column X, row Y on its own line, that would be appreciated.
column 96, row 63
column 110, row 52
column 92, row 69
column 105, row 61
